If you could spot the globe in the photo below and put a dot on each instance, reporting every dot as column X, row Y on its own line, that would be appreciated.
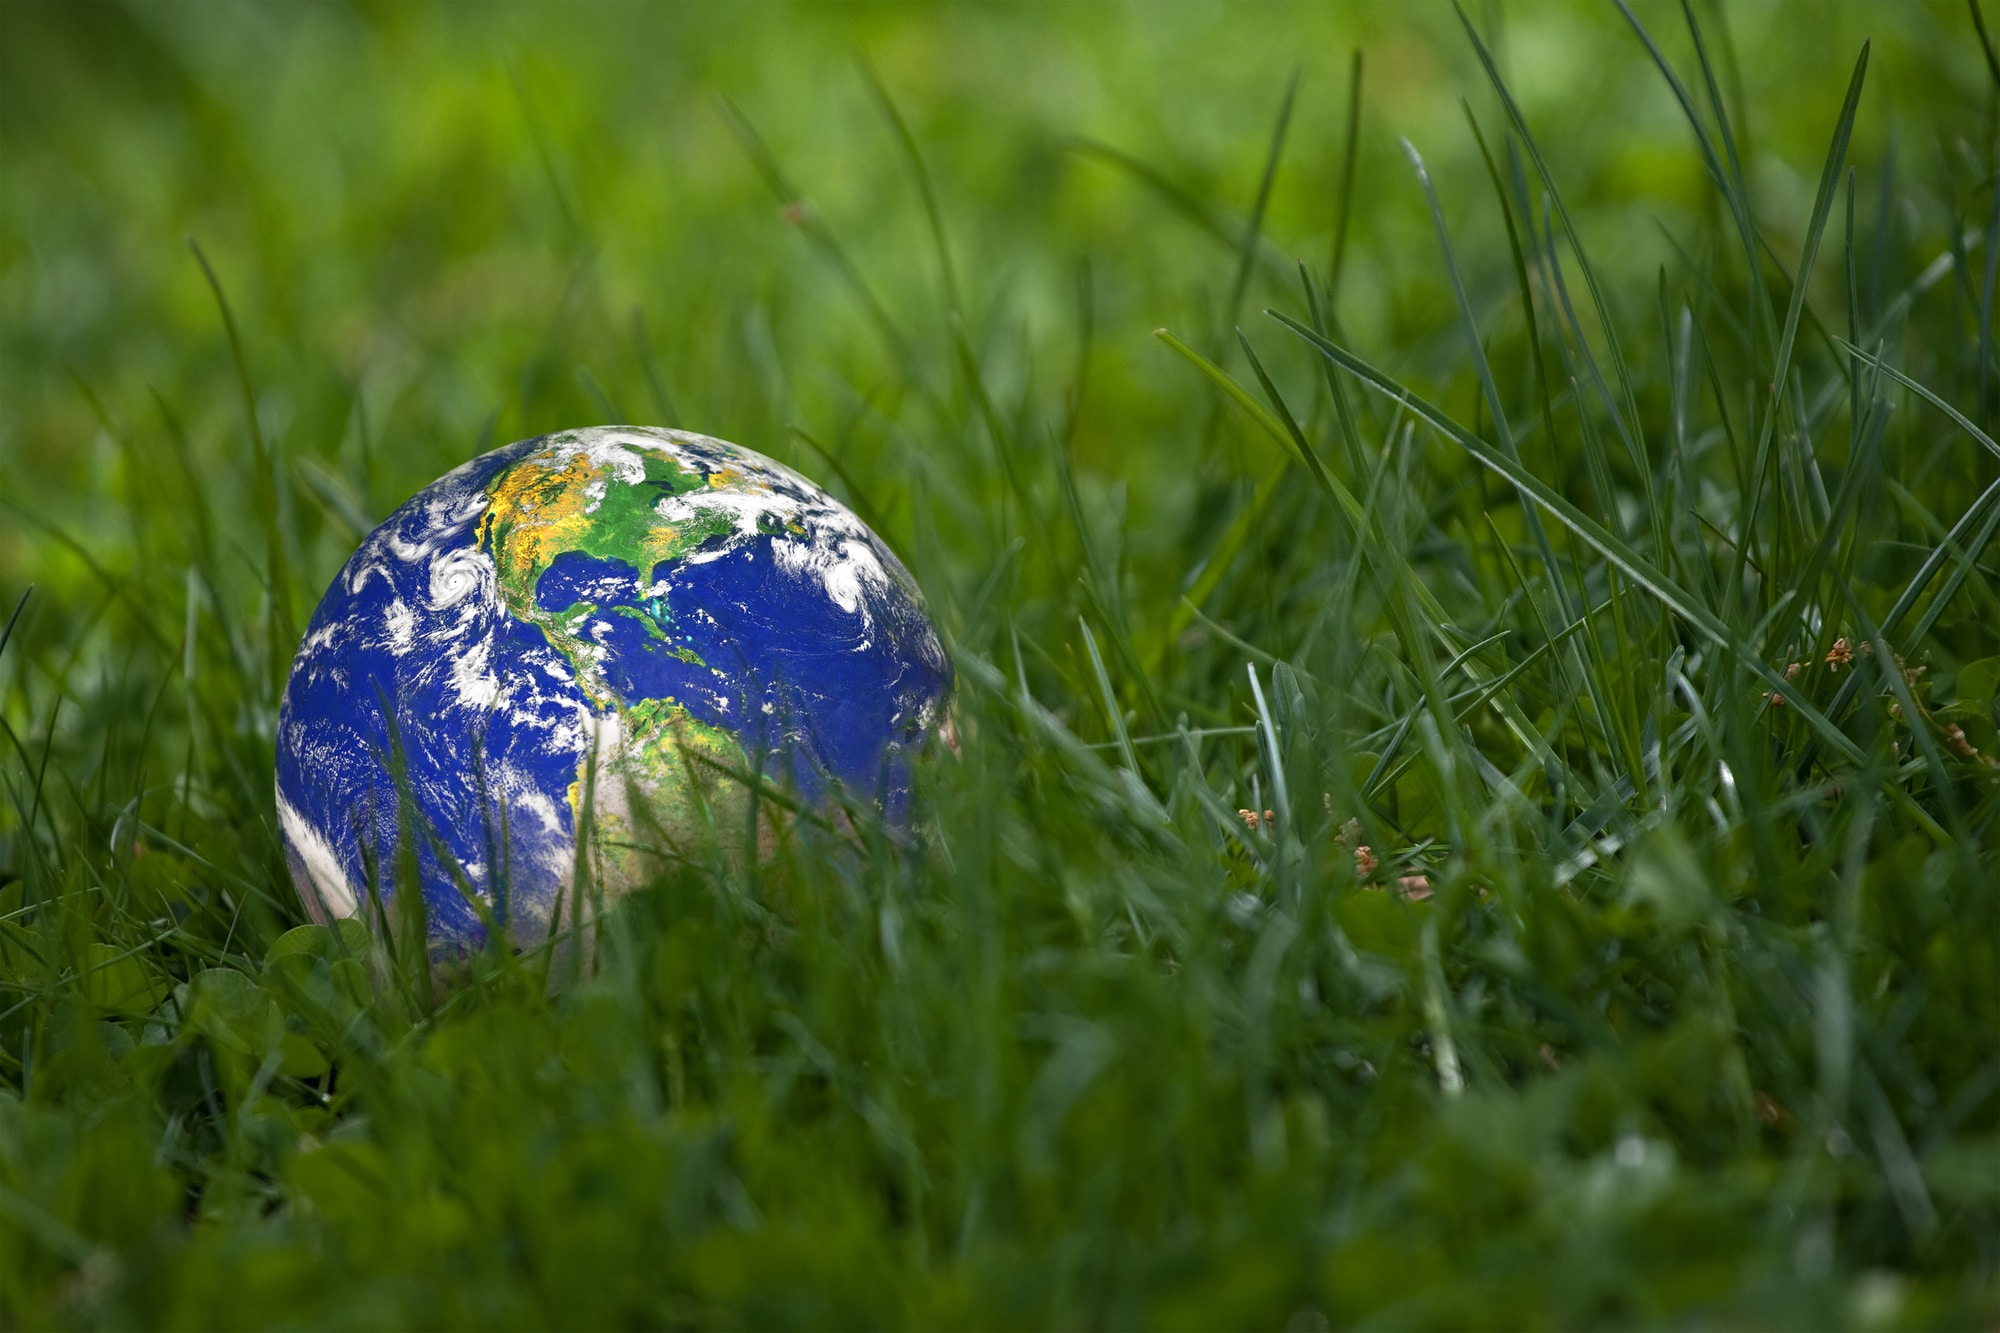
column 605, row 637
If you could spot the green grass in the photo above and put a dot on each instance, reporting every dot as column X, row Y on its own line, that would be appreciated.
column 1474, row 503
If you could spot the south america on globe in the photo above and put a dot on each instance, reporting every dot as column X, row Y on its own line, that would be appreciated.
column 612, row 631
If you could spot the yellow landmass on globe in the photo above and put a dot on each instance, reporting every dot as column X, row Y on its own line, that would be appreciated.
column 658, row 790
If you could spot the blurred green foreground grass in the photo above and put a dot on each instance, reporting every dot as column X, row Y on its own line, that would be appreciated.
column 1588, row 566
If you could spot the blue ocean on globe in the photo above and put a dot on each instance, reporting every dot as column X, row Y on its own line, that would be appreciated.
column 613, row 629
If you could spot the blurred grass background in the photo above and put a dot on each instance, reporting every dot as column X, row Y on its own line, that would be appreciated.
column 1701, row 1020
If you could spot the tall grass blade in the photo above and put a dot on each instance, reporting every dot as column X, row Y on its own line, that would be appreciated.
column 1349, row 154
column 1253, row 226
column 21, row 605
column 1829, row 183
column 914, row 159
column 1627, row 417
column 1985, row 41
column 283, row 634
column 1622, row 556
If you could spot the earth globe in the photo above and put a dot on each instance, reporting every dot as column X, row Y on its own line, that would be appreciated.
column 606, row 635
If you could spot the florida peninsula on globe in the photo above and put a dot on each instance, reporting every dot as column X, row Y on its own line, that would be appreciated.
column 620, row 618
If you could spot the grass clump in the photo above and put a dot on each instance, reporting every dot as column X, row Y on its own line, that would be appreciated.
column 1478, row 793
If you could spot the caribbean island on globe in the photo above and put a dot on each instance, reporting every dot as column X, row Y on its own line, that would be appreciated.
column 615, row 630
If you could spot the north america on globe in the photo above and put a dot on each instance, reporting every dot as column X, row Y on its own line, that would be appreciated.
column 612, row 630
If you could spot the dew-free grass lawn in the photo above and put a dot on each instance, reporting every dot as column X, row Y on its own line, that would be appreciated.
column 1585, row 509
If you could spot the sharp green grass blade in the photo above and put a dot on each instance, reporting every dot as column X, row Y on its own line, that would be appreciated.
column 1577, row 353
column 1498, row 411
column 1968, row 561
column 1274, row 754
column 1253, row 227
column 1523, row 290
column 1222, row 558
column 1288, row 439
column 1357, row 515
column 1829, row 182
column 1728, row 180
column 1106, row 594
column 1483, row 693
column 1293, row 435
column 1606, row 325
column 1957, row 417
column 1622, row 556
column 1350, row 435
column 1889, row 667
column 1468, row 325
column 1801, row 588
